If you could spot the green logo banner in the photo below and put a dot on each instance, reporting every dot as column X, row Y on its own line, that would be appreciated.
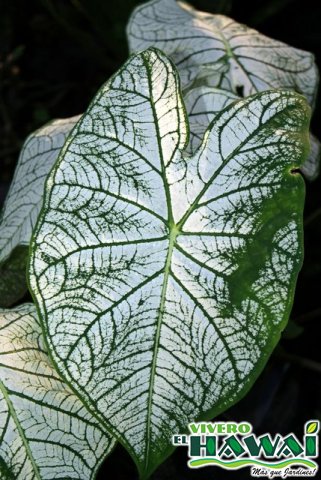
column 234, row 445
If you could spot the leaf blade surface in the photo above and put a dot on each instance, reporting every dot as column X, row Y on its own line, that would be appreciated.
column 199, row 41
column 138, row 282
column 23, row 204
column 45, row 431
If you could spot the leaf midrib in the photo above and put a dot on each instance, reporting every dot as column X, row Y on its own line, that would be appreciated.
column 172, row 237
column 167, row 271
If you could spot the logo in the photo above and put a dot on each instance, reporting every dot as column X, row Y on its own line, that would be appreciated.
column 234, row 445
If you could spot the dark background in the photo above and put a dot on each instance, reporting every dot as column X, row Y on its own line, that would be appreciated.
column 54, row 54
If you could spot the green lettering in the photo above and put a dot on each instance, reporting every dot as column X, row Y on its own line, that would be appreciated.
column 263, row 443
column 311, row 446
column 197, row 446
column 194, row 427
column 231, row 445
column 292, row 444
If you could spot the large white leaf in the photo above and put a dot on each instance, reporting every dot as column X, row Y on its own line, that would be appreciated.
column 200, row 42
column 163, row 279
column 45, row 431
column 23, row 203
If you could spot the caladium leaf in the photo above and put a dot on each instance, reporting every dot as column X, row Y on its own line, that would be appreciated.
column 197, row 40
column 204, row 103
column 214, row 50
column 23, row 203
column 45, row 431
column 164, row 280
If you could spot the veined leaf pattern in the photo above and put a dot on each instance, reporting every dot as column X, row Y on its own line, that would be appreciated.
column 164, row 280
column 23, row 204
column 214, row 50
column 45, row 431
column 197, row 41
column 204, row 103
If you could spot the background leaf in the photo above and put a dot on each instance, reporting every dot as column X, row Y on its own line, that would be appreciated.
column 214, row 50
column 202, row 105
column 23, row 203
column 164, row 280
column 253, row 61
column 45, row 431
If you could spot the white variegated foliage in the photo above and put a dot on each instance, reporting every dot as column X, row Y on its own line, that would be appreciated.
column 163, row 279
column 198, row 41
column 23, row 203
column 204, row 103
column 217, row 51
column 45, row 431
